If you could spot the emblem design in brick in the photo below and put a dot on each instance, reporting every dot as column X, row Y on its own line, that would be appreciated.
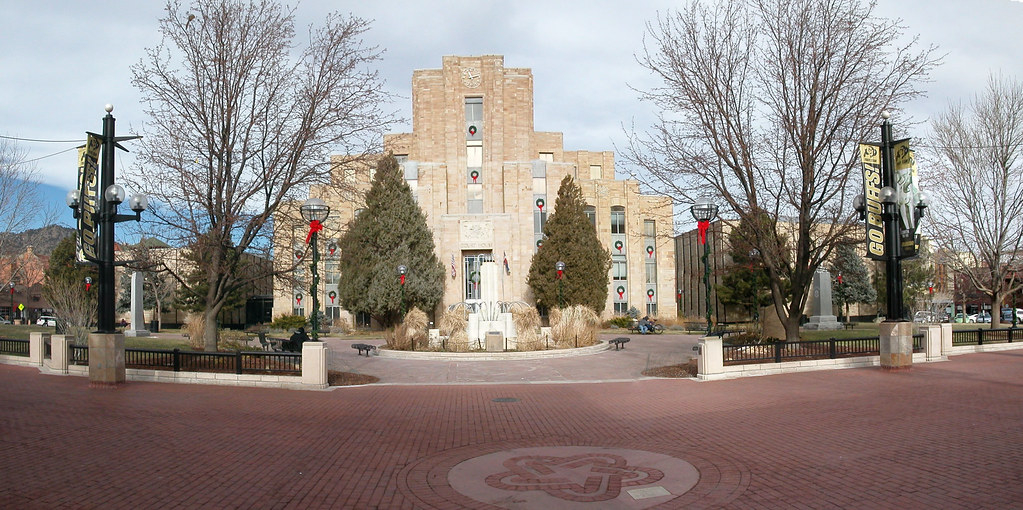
column 585, row 478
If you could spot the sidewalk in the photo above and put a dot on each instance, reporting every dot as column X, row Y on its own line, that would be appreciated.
column 627, row 364
column 941, row 435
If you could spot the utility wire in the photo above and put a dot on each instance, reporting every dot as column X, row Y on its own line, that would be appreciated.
column 48, row 155
column 15, row 138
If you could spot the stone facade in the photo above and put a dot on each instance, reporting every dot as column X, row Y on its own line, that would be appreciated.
column 487, row 181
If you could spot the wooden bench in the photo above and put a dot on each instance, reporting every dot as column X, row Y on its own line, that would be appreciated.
column 364, row 348
column 850, row 325
column 619, row 342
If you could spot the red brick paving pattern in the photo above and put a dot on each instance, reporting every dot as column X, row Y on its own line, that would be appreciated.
column 942, row 435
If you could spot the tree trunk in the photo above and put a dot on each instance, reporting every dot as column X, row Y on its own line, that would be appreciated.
column 209, row 335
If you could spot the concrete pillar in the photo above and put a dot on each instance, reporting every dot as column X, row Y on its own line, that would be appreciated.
column 946, row 339
column 106, row 358
column 314, row 364
column 37, row 347
column 710, row 360
column 59, row 345
column 896, row 345
column 932, row 342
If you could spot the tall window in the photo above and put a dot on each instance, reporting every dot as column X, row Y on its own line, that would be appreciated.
column 411, row 171
column 474, row 177
column 474, row 199
column 474, row 118
column 539, row 205
column 473, row 109
column 591, row 213
column 595, row 172
column 650, row 265
column 619, row 270
column 331, row 274
column 617, row 220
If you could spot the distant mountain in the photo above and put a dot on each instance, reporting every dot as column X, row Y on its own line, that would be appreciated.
column 43, row 240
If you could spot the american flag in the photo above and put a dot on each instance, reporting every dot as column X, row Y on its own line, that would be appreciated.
column 507, row 268
column 453, row 273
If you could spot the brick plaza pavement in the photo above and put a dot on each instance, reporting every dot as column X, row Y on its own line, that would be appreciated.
column 942, row 435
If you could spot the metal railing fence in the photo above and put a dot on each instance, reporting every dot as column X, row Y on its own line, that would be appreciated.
column 831, row 348
column 983, row 336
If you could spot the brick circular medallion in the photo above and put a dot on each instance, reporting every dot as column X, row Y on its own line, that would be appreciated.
column 520, row 476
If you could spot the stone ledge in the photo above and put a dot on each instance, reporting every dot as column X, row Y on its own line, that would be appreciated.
column 492, row 356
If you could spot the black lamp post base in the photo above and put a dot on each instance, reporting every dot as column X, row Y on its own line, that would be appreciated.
column 896, row 345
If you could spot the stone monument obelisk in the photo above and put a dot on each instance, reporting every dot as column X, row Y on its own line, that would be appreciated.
column 820, row 303
column 138, row 320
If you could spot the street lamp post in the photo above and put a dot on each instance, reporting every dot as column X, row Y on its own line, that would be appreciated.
column 704, row 212
column 97, row 207
column 885, row 241
column 559, row 266
column 315, row 211
column 402, row 273
column 11, row 286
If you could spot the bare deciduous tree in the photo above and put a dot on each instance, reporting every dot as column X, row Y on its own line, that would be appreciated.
column 20, row 198
column 243, row 122
column 977, row 185
column 763, row 104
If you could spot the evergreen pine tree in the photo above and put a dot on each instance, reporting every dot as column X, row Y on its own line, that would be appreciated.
column 856, row 285
column 389, row 232
column 569, row 237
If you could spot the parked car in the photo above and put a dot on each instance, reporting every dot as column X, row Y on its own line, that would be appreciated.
column 47, row 320
column 5, row 320
column 1007, row 314
column 924, row 316
column 960, row 318
column 983, row 317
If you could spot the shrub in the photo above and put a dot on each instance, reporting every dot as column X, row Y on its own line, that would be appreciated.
column 574, row 326
column 288, row 322
column 195, row 327
column 454, row 325
column 342, row 326
column 411, row 334
column 527, row 328
column 620, row 321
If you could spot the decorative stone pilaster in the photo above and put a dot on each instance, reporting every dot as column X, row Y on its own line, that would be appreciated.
column 37, row 347
column 896, row 345
column 710, row 361
column 106, row 358
column 314, row 364
column 59, row 345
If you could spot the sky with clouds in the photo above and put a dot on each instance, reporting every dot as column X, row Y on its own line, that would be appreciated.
column 61, row 64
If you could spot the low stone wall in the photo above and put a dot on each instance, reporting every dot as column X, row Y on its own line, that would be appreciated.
column 937, row 347
column 314, row 368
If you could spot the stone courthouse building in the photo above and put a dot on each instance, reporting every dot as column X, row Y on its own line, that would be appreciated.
column 487, row 182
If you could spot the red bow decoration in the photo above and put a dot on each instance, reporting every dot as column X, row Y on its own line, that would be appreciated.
column 559, row 274
column 402, row 279
column 621, row 292
column 703, row 226
column 87, row 285
column 839, row 278
column 314, row 227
